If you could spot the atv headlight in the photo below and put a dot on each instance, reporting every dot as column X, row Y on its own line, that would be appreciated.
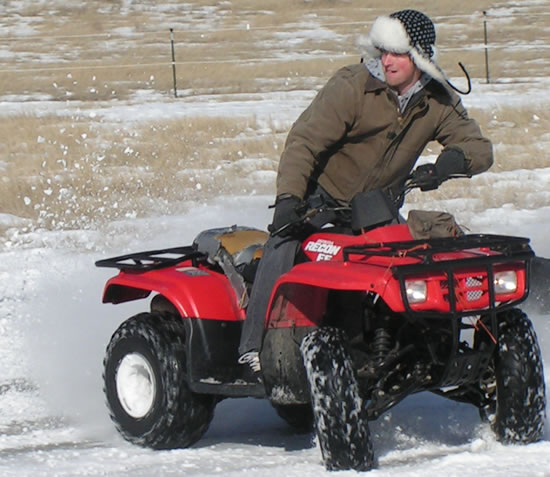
column 417, row 291
column 505, row 282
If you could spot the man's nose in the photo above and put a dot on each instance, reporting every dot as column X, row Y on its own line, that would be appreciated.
column 386, row 58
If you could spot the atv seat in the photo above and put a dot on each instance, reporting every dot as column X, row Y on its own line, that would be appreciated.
column 232, row 248
column 244, row 244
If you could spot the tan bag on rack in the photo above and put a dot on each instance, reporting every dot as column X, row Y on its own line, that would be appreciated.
column 427, row 224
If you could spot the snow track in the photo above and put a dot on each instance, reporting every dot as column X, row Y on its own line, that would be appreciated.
column 53, row 421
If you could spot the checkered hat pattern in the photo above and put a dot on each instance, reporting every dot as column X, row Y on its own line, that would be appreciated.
column 420, row 29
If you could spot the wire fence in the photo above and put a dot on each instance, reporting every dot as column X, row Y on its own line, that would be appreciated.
column 248, row 27
column 493, row 42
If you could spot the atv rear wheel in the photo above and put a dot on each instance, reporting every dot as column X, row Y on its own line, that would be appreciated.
column 514, row 386
column 340, row 418
column 144, row 382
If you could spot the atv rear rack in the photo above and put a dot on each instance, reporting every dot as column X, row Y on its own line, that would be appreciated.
column 151, row 260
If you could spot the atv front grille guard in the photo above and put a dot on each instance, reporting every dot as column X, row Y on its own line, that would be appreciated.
column 151, row 260
column 485, row 252
column 461, row 366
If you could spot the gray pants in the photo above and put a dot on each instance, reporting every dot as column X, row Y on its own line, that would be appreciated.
column 278, row 258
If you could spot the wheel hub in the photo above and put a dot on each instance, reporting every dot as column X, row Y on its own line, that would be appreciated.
column 135, row 384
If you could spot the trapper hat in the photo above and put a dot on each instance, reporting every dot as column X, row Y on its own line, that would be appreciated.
column 412, row 32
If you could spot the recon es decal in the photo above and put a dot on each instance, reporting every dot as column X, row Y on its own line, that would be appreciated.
column 325, row 249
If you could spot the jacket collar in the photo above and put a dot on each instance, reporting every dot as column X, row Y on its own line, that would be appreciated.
column 373, row 84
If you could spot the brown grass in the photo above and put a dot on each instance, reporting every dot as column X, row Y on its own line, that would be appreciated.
column 61, row 174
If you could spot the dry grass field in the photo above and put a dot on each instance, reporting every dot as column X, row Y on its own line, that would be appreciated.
column 65, row 171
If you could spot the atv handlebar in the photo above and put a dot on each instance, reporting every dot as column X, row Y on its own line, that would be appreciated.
column 308, row 215
column 424, row 177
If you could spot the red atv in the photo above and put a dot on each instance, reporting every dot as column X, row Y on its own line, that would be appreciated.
column 362, row 321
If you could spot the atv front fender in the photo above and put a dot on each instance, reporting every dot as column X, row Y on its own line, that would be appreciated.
column 299, row 297
column 194, row 292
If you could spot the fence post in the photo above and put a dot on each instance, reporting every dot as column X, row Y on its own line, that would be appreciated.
column 486, row 47
column 173, row 62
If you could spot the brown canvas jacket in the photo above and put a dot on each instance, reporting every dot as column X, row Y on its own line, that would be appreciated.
column 353, row 138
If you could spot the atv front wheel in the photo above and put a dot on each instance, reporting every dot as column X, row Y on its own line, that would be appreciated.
column 514, row 388
column 340, row 418
column 144, row 382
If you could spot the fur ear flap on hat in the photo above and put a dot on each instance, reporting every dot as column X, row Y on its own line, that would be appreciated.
column 429, row 65
column 388, row 34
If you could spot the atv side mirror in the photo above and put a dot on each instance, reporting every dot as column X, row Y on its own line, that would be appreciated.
column 370, row 209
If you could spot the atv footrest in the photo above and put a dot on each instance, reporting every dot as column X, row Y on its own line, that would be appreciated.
column 237, row 389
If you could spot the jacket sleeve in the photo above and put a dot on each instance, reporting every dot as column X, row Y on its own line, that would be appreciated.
column 458, row 131
column 323, row 124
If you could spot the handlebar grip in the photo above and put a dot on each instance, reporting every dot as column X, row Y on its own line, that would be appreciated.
column 425, row 177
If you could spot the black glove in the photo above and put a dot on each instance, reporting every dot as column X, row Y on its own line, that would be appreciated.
column 425, row 177
column 285, row 213
column 449, row 162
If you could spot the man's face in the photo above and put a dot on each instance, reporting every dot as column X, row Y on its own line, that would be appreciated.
column 401, row 73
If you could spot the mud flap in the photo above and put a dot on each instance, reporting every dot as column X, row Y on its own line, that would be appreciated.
column 212, row 356
column 539, row 295
column 284, row 373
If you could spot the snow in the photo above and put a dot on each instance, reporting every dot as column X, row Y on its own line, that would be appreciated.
column 53, row 328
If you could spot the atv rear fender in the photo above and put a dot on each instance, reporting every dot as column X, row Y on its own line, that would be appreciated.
column 194, row 292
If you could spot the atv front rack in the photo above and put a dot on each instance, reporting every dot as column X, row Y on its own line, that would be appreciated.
column 485, row 252
column 151, row 260
column 503, row 245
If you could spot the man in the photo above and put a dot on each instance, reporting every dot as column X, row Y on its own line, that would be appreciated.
column 365, row 130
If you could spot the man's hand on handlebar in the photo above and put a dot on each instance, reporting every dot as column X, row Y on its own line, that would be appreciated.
column 425, row 177
column 292, row 215
column 450, row 163
column 286, row 214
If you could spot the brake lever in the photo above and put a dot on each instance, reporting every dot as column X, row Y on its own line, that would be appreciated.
column 307, row 215
column 301, row 220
